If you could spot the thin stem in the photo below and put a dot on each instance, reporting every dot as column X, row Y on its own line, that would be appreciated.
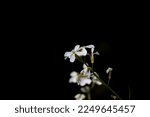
column 89, row 95
column 108, row 82
column 92, row 67
column 129, row 92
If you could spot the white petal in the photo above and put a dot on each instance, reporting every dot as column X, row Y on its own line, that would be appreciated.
column 79, row 53
column 84, row 81
column 97, row 53
column 73, row 80
column 72, row 58
column 85, row 69
column 98, row 82
column 90, row 46
column 73, row 74
column 88, row 74
column 84, row 66
column 92, row 50
column 76, row 47
column 67, row 54
column 79, row 96
column 84, row 52
column 108, row 70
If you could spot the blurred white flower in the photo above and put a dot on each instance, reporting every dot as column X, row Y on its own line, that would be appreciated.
column 109, row 70
column 83, row 81
column 81, row 78
column 74, row 77
column 85, row 89
column 79, row 51
column 79, row 96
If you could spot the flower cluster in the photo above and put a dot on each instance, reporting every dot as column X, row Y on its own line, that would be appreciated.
column 79, row 52
column 86, row 78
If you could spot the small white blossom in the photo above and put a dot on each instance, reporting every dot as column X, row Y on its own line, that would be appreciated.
column 109, row 70
column 74, row 77
column 85, row 89
column 83, row 81
column 80, row 78
column 79, row 51
column 79, row 96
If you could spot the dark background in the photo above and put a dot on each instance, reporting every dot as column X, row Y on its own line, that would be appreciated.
column 35, row 41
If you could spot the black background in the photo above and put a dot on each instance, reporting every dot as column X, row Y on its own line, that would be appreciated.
column 35, row 41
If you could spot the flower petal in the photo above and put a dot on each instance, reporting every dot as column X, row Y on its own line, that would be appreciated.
column 76, row 47
column 92, row 50
column 85, row 69
column 84, row 81
column 72, row 58
column 73, row 80
column 83, row 52
column 95, row 80
column 67, row 54
column 90, row 46
column 79, row 96
column 96, row 53
column 84, row 66
column 73, row 74
column 109, row 70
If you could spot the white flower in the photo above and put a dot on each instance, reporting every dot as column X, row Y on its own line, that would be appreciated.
column 79, row 51
column 86, row 74
column 85, row 89
column 74, row 77
column 79, row 96
column 95, row 80
column 109, row 70
column 83, row 81
column 81, row 78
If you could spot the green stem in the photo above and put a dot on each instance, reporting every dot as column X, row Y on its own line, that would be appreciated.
column 108, row 82
column 108, row 87
column 92, row 67
column 89, row 95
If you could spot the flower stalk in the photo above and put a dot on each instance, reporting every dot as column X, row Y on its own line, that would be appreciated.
column 87, row 78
